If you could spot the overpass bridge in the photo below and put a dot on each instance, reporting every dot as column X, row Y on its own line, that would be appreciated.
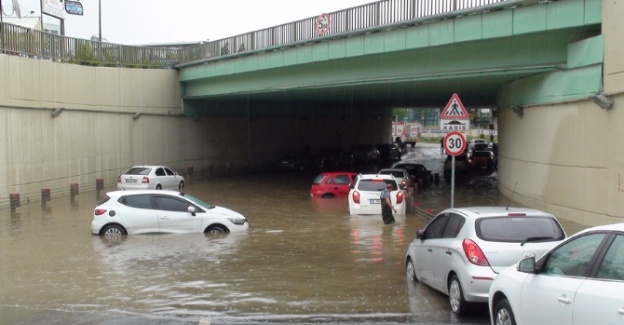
column 406, row 54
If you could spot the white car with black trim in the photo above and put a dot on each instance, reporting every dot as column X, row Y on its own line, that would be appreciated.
column 364, row 196
column 579, row 282
column 155, row 211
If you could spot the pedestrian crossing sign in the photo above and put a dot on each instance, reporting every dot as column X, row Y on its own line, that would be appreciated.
column 454, row 110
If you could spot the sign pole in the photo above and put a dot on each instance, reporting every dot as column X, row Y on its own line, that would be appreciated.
column 453, row 182
column 454, row 145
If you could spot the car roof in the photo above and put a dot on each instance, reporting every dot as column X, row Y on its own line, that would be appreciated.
column 610, row 227
column 148, row 166
column 133, row 192
column 339, row 173
column 497, row 211
column 400, row 163
column 392, row 170
column 376, row 176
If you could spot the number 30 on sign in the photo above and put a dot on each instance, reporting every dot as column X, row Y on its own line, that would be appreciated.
column 454, row 143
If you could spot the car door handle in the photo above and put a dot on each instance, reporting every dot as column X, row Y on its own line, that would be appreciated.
column 621, row 311
column 564, row 299
column 429, row 250
column 449, row 253
column 165, row 218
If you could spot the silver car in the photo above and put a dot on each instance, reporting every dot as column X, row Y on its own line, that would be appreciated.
column 462, row 250
column 401, row 175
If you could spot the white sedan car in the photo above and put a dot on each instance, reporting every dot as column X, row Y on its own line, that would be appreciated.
column 151, row 211
column 364, row 196
column 150, row 178
column 579, row 282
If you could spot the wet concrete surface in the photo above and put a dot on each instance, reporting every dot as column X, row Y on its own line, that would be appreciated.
column 303, row 260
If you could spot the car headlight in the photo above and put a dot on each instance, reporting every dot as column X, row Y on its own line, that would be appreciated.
column 237, row 221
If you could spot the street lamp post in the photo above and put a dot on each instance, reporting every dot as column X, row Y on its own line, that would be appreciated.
column 99, row 18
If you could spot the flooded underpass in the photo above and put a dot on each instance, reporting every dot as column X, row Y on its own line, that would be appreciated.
column 303, row 260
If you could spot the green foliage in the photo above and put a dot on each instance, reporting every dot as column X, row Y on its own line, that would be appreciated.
column 85, row 54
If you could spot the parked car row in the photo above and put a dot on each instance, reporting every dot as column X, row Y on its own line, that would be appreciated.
column 335, row 158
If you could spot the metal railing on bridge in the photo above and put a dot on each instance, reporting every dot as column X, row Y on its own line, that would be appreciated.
column 26, row 42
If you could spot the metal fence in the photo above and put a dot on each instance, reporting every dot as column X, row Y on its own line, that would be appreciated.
column 16, row 40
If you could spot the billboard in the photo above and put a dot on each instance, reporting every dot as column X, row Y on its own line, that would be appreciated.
column 53, row 8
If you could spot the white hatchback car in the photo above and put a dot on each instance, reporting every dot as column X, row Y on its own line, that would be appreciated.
column 151, row 211
column 462, row 250
column 150, row 178
column 579, row 282
column 364, row 196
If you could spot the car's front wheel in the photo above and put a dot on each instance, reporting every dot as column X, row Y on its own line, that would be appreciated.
column 216, row 230
column 410, row 272
column 458, row 304
column 113, row 231
column 503, row 315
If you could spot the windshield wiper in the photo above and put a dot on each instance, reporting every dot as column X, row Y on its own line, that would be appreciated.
column 532, row 239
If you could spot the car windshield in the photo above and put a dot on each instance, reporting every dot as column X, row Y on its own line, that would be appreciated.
column 138, row 171
column 199, row 202
column 372, row 185
column 518, row 229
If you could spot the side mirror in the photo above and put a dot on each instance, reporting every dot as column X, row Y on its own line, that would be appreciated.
column 419, row 234
column 527, row 265
column 191, row 210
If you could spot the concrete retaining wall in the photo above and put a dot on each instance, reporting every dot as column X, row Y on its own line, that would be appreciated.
column 97, row 134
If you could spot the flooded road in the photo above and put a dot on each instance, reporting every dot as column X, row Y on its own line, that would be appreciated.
column 303, row 260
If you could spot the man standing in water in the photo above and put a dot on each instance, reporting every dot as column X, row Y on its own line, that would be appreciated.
column 386, row 205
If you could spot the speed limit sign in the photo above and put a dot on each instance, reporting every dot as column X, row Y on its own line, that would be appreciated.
column 454, row 143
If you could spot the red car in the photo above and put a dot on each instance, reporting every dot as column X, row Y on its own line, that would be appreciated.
column 332, row 184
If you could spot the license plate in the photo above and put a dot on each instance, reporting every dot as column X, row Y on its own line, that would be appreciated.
column 131, row 180
column 374, row 201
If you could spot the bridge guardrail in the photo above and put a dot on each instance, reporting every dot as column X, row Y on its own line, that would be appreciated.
column 16, row 40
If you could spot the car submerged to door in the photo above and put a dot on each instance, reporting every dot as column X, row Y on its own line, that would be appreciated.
column 579, row 282
column 156, row 211
column 365, row 194
column 462, row 250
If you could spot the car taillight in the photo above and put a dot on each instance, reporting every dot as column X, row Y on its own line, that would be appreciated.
column 99, row 212
column 404, row 184
column 474, row 253
column 145, row 180
column 399, row 197
column 356, row 197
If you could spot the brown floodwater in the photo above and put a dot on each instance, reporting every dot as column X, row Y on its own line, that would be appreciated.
column 302, row 258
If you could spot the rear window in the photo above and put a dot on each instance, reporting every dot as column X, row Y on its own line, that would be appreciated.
column 481, row 154
column 318, row 179
column 372, row 185
column 519, row 229
column 138, row 171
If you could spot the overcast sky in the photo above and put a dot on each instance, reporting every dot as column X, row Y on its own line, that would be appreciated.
column 136, row 22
